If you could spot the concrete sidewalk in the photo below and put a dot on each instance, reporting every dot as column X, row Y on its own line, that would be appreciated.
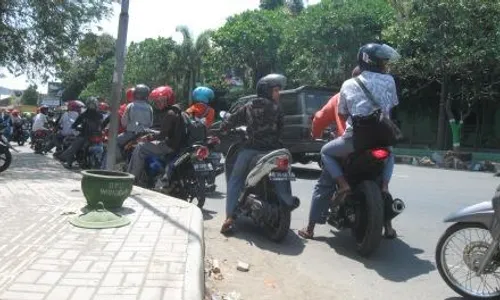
column 158, row 256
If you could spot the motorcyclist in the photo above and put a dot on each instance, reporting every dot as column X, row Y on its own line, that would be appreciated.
column 137, row 117
column 168, row 139
column 105, row 110
column 264, row 120
column 65, row 124
column 373, row 60
column 200, row 109
column 41, row 120
column 91, row 125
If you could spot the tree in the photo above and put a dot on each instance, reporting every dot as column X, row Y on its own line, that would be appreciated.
column 100, row 87
column 439, row 42
column 190, row 54
column 320, row 45
column 36, row 35
column 79, row 70
column 250, row 42
column 271, row 4
column 295, row 6
column 30, row 96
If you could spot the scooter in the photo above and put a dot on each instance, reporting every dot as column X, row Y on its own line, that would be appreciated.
column 267, row 195
column 471, row 269
column 5, row 155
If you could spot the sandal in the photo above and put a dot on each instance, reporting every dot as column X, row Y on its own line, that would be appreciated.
column 227, row 228
column 306, row 233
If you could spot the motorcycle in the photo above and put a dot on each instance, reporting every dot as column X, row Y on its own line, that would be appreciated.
column 366, row 211
column 187, row 174
column 475, row 235
column 215, row 158
column 267, row 196
column 5, row 155
column 39, row 140
column 20, row 134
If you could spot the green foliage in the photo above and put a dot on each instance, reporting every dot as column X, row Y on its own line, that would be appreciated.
column 37, row 35
column 101, row 86
column 271, row 4
column 30, row 96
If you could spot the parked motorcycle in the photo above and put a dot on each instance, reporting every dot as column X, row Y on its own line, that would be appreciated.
column 467, row 254
column 366, row 211
column 5, row 155
column 267, row 195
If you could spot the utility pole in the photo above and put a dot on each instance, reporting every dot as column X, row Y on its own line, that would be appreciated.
column 121, row 44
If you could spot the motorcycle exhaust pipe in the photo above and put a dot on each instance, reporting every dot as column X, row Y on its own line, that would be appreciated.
column 393, row 207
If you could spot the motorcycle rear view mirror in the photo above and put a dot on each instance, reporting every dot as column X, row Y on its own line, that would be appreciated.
column 224, row 114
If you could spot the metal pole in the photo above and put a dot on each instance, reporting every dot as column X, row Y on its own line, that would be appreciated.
column 121, row 44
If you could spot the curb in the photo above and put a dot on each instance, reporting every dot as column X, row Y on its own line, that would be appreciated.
column 194, row 276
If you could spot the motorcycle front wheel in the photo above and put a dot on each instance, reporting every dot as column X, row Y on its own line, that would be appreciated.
column 5, row 159
column 458, row 254
column 369, row 221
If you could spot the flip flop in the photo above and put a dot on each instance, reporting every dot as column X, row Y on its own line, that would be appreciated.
column 306, row 233
column 227, row 228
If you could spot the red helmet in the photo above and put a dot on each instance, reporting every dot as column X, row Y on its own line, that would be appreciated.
column 103, row 106
column 15, row 113
column 75, row 105
column 162, row 97
column 130, row 95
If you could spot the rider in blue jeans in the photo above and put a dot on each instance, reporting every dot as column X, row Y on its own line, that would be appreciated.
column 372, row 60
column 264, row 120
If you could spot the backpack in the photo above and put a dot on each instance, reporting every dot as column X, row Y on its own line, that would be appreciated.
column 192, row 130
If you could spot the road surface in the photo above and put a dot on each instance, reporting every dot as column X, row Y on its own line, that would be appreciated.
column 402, row 269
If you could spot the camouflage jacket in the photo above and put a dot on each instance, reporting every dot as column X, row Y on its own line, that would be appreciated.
column 264, row 121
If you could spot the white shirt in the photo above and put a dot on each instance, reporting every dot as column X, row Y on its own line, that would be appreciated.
column 40, row 121
column 353, row 101
column 67, row 120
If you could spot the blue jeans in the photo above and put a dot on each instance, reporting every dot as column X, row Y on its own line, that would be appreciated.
column 323, row 192
column 237, row 178
column 342, row 147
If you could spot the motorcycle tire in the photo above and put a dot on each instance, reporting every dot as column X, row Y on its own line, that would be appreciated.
column 8, row 159
column 38, row 147
column 369, row 218
column 278, row 234
column 201, row 192
column 439, row 263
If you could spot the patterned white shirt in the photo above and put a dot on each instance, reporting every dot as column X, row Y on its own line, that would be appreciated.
column 353, row 101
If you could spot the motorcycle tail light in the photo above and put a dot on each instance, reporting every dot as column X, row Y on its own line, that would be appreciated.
column 96, row 139
column 202, row 153
column 282, row 163
column 380, row 154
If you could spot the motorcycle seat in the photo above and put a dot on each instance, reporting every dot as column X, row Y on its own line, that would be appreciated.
column 262, row 164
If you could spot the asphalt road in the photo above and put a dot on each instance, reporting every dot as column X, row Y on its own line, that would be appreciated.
column 403, row 268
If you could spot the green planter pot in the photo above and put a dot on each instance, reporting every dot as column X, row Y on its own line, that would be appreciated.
column 109, row 187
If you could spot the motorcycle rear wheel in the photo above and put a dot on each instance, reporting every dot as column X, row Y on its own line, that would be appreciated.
column 6, row 157
column 280, row 231
column 369, row 218
column 472, row 251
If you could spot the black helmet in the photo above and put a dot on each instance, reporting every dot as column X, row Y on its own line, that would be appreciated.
column 92, row 103
column 372, row 57
column 141, row 92
column 268, row 82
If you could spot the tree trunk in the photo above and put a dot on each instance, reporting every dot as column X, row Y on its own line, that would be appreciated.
column 442, row 114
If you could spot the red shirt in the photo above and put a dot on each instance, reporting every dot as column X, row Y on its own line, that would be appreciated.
column 326, row 116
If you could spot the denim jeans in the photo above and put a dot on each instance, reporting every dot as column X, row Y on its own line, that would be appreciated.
column 323, row 192
column 237, row 178
column 342, row 147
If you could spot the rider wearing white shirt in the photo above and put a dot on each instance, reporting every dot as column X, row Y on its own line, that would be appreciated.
column 41, row 119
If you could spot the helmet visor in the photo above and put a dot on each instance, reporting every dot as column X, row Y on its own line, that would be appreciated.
column 386, row 52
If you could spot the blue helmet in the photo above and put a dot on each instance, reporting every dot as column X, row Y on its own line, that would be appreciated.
column 203, row 94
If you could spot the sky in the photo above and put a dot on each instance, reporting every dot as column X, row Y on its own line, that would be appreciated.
column 153, row 18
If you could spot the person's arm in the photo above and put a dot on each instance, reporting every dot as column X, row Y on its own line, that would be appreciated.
column 209, row 120
column 237, row 119
column 124, row 120
column 175, row 140
column 342, row 109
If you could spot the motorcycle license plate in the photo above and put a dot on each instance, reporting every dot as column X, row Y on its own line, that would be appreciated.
column 203, row 167
column 281, row 176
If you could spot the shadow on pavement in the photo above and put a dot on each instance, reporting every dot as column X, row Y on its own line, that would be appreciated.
column 216, row 195
column 246, row 230
column 394, row 260
column 455, row 298
column 31, row 166
column 208, row 214
column 306, row 173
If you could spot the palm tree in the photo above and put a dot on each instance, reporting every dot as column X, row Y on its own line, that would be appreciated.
column 190, row 57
